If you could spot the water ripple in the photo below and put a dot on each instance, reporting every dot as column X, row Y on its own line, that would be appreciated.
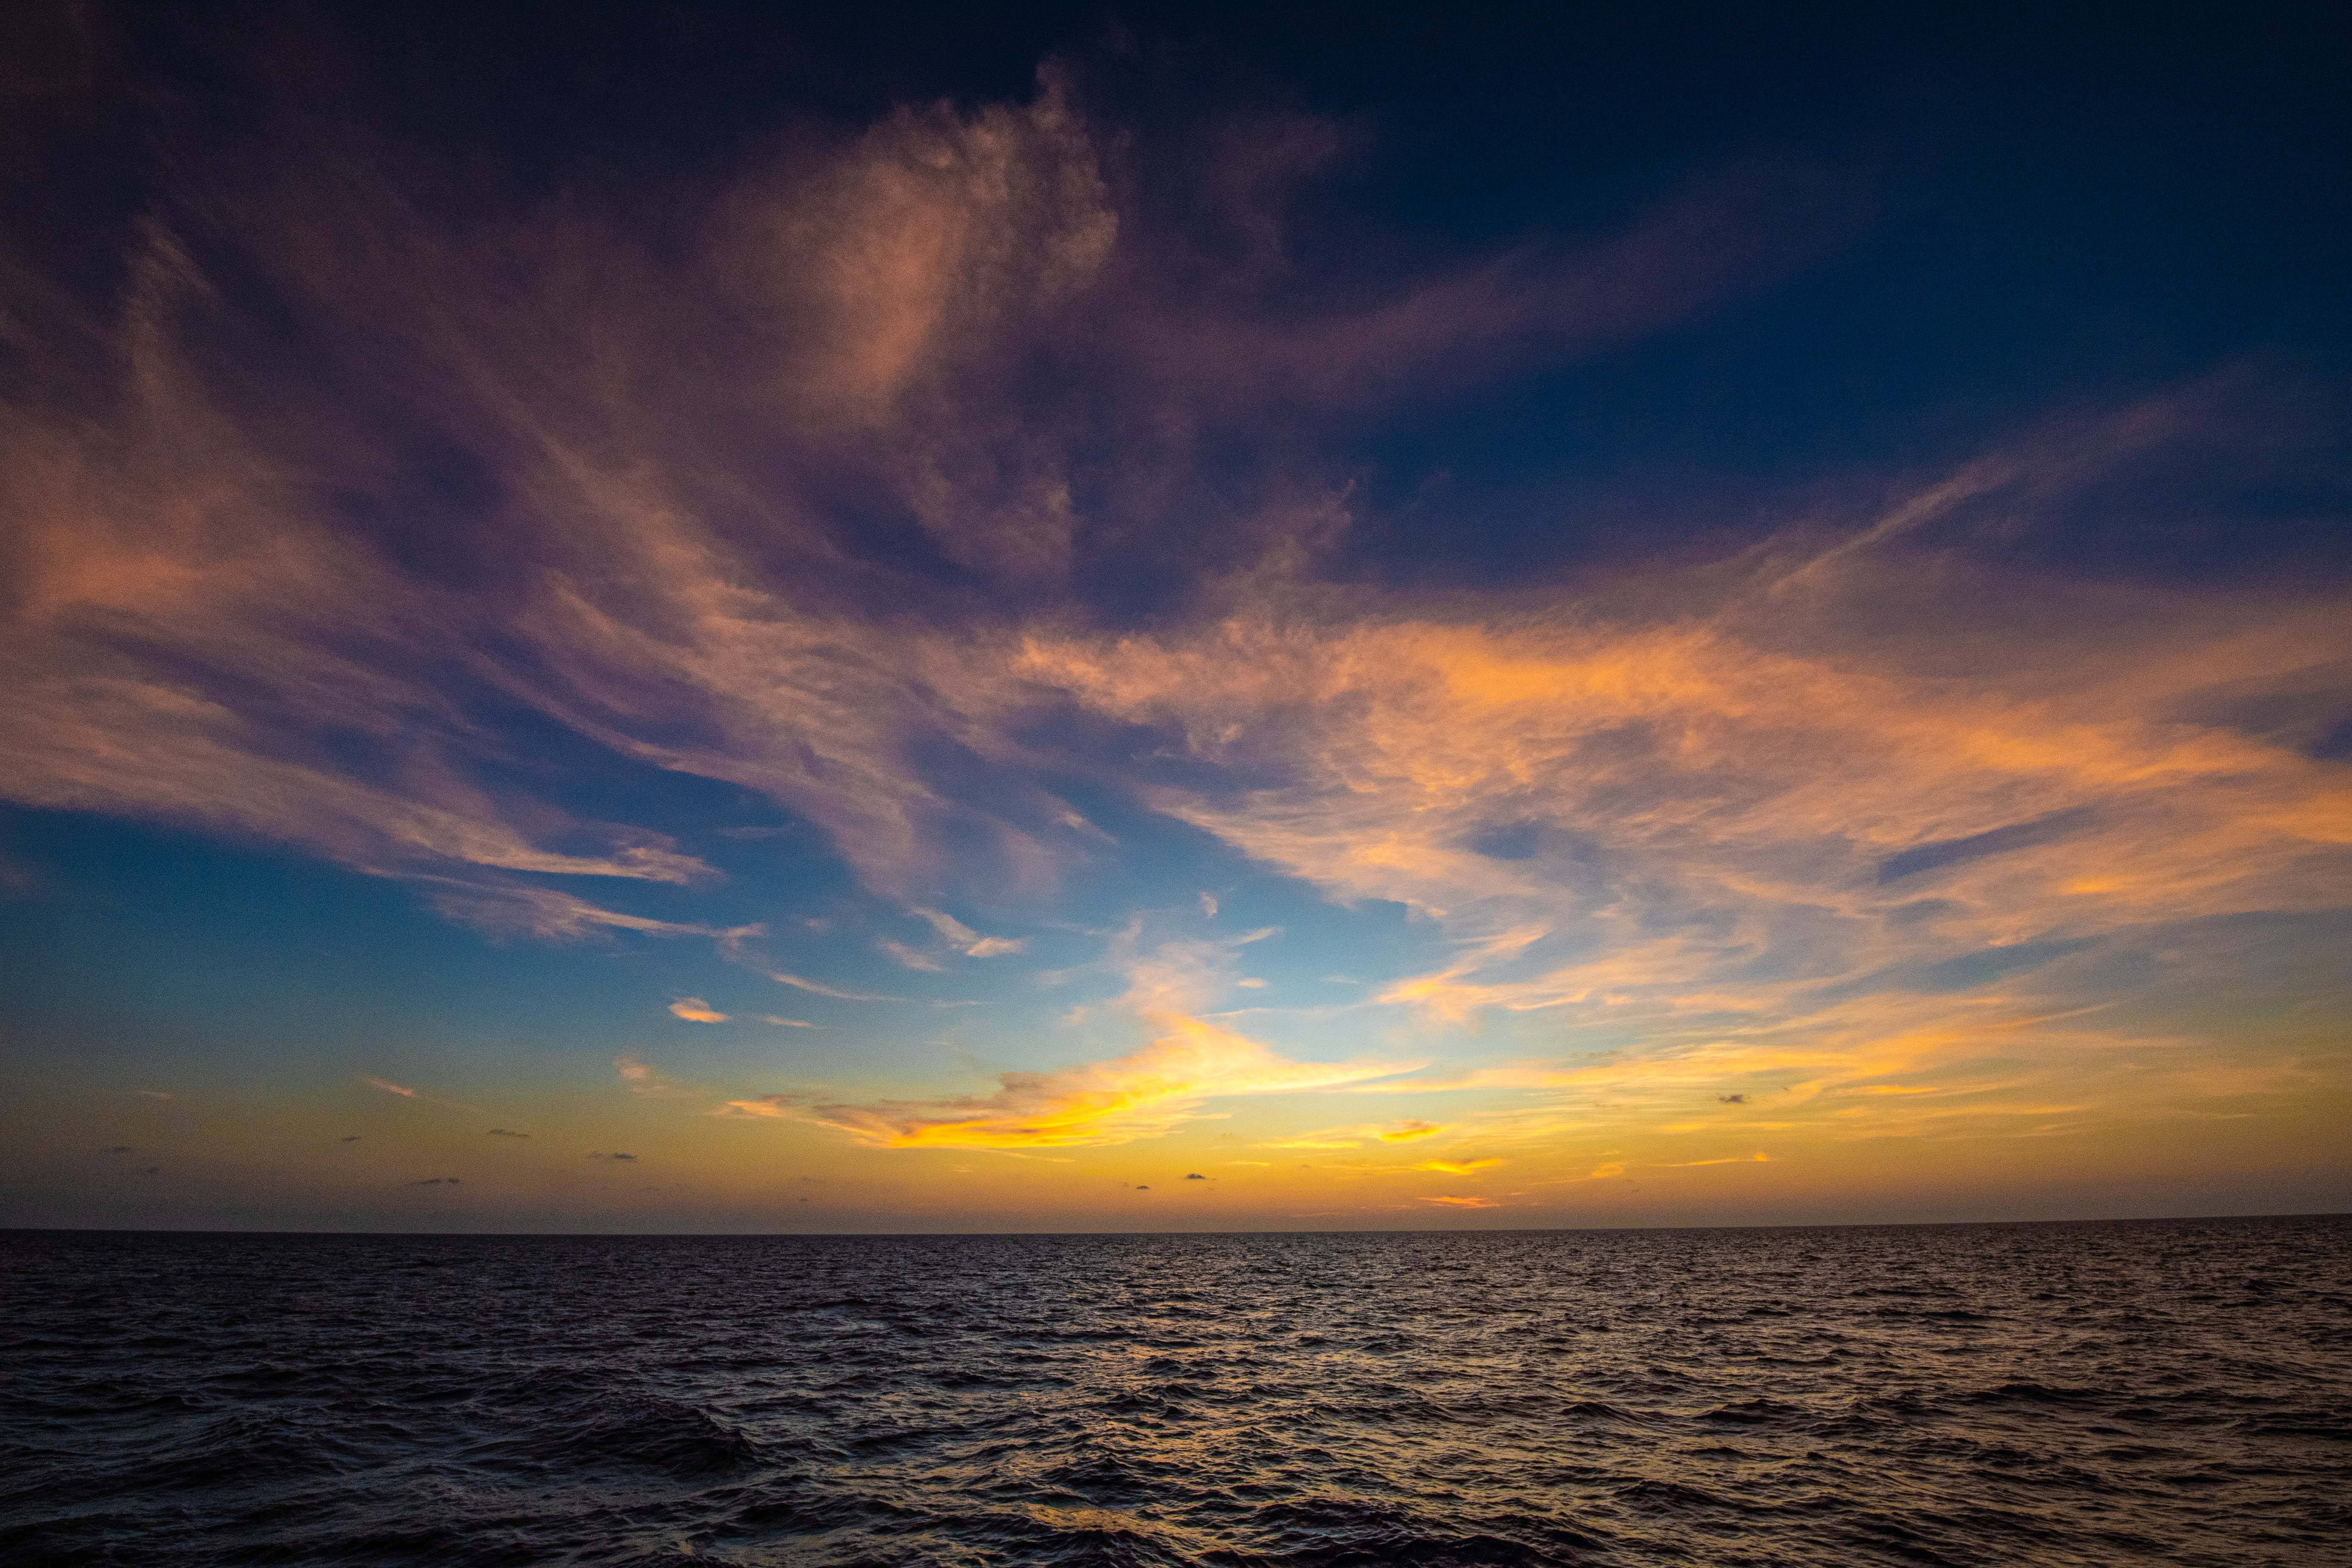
column 2168, row 1392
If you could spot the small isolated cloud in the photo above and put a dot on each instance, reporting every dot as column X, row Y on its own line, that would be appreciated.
column 435, row 1182
column 949, row 927
column 388, row 1086
column 1729, row 1160
column 349, row 1138
column 1252, row 983
column 1143, row 1187
column 1459, row 1168
column 153, row 1094
column 600, row 1154
column 1731, row 1099
column 910, row 957
column 120, row 1149
column 1195, row 1176
column 1209, row 906
column 504, row 1132
column 150, row 1170
column 784, row 1022
column 641, row 1078
column 734, row 946
column 1463, row 1203
column 813, row 989
column 1405, row 1131
column 965, row 940
column 765, row 1107
column 695, row 1010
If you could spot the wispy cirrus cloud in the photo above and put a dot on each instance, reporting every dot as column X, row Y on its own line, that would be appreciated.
column 965, row 940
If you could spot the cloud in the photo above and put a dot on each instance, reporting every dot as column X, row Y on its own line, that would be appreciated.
column 646, row 1080
column 765, row 1108
column 154, row 1093
column 814, row 988
column 960, row 936
column 120, row 1149
column 436, row 1182
column 910, row 957
column 503, row 1132
column 1409, row 1130
column 1195, row 1176
column 300, row 630
column 1144, row 1094
column 996, row 946
column 349, row 1138
column 1208, row 906
column 784, row 1023
column 1731, row 1099
column 734, row 945
column 1462, row 1203
column 388, row 1086
column 695, row 1010
column 616, row 1156
column 1459, row 1168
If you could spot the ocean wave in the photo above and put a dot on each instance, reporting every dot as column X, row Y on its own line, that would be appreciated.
column 2039, row 1395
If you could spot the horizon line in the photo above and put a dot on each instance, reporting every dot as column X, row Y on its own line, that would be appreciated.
column 1026, row 1235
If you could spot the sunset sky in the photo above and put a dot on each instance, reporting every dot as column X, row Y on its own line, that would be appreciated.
column 1051, row 620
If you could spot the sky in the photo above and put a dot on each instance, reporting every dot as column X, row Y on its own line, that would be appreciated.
column 702, row 618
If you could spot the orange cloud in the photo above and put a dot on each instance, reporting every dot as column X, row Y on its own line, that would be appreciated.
column 1463, row 1203
column 695, row 1010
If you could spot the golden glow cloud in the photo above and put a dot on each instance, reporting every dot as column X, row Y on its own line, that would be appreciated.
column 1143, row 1094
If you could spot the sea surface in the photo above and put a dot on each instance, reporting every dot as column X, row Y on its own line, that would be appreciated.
column 2148, row 1392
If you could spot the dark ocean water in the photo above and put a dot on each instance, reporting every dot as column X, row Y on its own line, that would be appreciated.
column 2162, row 1391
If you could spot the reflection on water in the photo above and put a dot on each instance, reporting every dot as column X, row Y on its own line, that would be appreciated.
column 2177, row 1392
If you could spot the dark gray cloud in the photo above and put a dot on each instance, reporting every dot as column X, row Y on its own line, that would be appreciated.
column 1944, row 852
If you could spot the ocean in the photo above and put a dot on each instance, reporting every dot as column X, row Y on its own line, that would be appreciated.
column 2174, row 1392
